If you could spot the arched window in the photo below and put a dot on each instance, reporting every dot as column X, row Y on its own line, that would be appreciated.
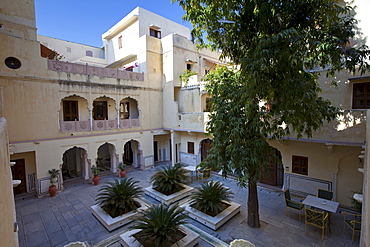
column 89, row 53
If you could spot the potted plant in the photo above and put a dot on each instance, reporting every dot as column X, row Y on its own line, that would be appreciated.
column 210, row 204
column 122, row 172
column 186, row 75
column 167, row 184
column 95, row 171
column 54, row 173
column 160, row 225
column 117, row 202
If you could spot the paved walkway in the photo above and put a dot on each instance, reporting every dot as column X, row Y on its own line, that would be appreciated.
column 67, row 218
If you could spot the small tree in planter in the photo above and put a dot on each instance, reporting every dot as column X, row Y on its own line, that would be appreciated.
column 118, row 203
column 169, row 179
column 211, row 205
column 159, row 226
column 54, row 173
column 118, row 197
column 95, row 171
column 122, row 166
column 167, row 184
column 211, row 198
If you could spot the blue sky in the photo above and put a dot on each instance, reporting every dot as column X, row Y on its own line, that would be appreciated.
column 84, row 21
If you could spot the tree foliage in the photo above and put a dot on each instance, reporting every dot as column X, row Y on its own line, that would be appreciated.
column 279, row 47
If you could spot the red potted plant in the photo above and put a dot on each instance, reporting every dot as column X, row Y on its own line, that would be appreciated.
column 54, row 173
column 95, row 172
column 122, row 172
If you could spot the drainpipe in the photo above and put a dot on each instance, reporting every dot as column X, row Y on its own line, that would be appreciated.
column 173, row 147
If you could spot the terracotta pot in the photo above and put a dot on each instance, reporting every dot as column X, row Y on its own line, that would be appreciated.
column 95, row 180
column 52, row 190
column 122, row 173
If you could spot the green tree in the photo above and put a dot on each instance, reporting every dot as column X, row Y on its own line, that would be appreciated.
column 277, row 44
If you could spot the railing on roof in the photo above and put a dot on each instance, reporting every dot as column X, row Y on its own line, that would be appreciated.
column 92, row 70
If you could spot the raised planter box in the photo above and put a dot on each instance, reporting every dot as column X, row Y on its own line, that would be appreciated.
column 113, row 223
column 209, row 221
column 189, row 240
column 171, row 198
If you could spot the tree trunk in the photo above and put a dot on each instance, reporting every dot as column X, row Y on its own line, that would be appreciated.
column 253, row 209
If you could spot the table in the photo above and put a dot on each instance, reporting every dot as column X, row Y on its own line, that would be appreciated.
column 326, row 205
column 192, row 169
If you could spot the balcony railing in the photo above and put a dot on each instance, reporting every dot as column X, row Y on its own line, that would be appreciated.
column 129, row 123
column 81, row 126
column 193, row 121
column 74, row 126
column 349, row 127
column 92, row 70
column 104, row 124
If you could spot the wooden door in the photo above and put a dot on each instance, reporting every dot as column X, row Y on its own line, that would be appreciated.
column 155, row 147
column 100, row 111
column 19, row 173
column 70, row 110
column 128, row 156
column 273, row 173
column 205, row 148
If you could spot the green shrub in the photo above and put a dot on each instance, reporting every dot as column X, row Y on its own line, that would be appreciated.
column 210, row 198
column 159, row 225
column 169, row 179
column 117, row 198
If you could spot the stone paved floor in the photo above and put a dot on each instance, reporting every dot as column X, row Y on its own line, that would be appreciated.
column 67, row 217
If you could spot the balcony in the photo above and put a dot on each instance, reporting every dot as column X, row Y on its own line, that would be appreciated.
column 92, row 70
column 82, row 126
column 193, row 121
column 350, row 127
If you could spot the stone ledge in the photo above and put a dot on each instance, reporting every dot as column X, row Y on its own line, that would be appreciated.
column 189, row 240
column 171, row 198
column 212, row 222
column 113, row 223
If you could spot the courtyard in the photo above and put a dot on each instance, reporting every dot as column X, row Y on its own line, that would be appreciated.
column 67, row 217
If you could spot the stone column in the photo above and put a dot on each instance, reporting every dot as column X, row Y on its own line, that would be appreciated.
column 118, row 119
column 91, row 119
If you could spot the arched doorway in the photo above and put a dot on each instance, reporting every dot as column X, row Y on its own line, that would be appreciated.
column 349, row 179
column 128, row 109
column 74, row 165
column 273, row 174
column 205, row 148
column 132, row 153
column 105, row 160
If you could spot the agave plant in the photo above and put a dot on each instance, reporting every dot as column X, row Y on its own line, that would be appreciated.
column 210, row 198
column 117, row 198
column 168, row 180
column 159, row 225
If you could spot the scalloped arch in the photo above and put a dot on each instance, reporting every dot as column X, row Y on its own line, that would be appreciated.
column 133, row 98
column 138, row 146
column 66, row 149
column 73, row 95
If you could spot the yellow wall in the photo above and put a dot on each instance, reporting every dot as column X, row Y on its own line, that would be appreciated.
column 338, row 165
column 7, row 217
